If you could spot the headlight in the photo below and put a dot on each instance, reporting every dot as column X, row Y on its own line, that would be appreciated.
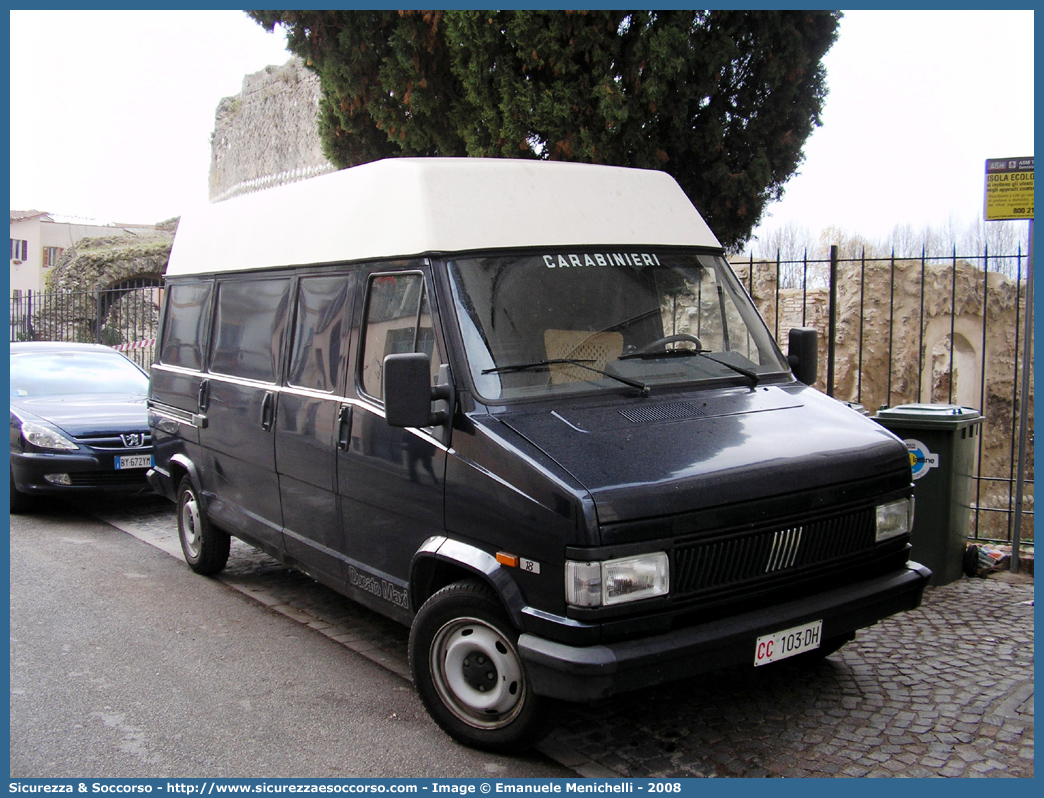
column 597, row 584
column 45, row 438
column 894, row 519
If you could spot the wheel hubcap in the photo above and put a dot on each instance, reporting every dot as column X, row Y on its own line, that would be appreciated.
column 190, row 535
column 477, row 673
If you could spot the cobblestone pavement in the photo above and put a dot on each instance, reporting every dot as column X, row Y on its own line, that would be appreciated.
column 946, row 690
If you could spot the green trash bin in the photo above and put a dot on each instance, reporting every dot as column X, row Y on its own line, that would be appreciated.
column 942, row 440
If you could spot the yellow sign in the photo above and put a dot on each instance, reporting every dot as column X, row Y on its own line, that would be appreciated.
column 1009, row 189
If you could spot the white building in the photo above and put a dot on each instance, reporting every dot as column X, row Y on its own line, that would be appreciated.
column 38, row 241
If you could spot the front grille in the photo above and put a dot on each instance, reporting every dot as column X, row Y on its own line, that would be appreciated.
column 115, row 441
column 108, row 479
column 734, row 559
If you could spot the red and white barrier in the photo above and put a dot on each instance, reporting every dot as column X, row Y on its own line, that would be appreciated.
column 135, row 345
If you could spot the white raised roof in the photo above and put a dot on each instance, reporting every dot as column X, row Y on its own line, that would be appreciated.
column 415, row 206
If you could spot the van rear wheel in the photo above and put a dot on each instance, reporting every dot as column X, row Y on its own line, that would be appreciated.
column 205, row 548
column 468, row 673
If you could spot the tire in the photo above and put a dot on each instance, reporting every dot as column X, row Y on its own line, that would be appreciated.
column 20, row 502
column 462, row 640
column 205, row 548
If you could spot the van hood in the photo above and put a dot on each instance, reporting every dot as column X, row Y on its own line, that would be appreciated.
column 645, row 458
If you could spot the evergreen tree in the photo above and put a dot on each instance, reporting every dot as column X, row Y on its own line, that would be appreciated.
column 722, row 100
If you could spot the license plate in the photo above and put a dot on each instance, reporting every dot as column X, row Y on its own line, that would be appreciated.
column 788, row 643
column 134, row 461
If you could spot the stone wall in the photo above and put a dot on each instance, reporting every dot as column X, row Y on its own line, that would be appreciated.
column 267, row 135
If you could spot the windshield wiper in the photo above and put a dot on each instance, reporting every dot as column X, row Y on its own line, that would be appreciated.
column 750, row 375
column 546, row 364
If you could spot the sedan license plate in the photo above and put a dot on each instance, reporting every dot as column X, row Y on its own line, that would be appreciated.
column 788, row 643
column 133, row 461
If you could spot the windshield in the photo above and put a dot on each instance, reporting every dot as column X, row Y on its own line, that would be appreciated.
column 57, row 373
column 537, row 324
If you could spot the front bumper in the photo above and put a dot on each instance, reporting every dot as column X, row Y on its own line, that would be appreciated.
column 89, row 473
column 587, row 673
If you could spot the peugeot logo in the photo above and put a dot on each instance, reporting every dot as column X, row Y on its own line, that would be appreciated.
column 133, row 440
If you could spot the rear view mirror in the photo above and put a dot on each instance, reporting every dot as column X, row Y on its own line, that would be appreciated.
column 408, row 393
column 803, row 354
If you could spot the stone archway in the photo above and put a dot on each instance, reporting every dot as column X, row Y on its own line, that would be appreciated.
column 964, row 382
column 113, row 296
column 94, row 264
column 107, row 290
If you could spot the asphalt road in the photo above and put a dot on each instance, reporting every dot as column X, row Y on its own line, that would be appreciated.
column 126, row 664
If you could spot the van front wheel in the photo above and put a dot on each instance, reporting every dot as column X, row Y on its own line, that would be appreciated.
column 205, row 548
column 468, row 673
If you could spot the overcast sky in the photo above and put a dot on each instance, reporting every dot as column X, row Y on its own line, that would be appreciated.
column 114, row 122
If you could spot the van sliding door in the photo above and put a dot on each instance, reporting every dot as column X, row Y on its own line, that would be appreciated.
column 309, row 422
column 240, row 399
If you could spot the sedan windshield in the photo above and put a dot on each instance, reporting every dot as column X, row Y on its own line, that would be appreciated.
column 74, row 373
column 537, row 324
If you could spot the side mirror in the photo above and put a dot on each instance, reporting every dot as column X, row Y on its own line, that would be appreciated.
column 408, row 393
column 803, row 354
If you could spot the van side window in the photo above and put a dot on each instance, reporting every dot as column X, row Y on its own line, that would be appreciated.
column 187, row 312
column 398, row 320
column 315, row 356
column 248, row 328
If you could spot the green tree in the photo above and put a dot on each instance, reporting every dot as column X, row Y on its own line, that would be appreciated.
column 722, row 100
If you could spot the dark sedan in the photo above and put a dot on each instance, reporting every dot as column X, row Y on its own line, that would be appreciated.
column 79, row 422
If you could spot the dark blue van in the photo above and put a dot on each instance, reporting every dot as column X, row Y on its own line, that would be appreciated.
column 527, row 409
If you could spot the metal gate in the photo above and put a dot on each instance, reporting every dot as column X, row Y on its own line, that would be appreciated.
column 124, row 317
column 933, row 329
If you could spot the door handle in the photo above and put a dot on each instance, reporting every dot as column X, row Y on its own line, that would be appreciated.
column 203, row 396
column 344, row 428
column 266, row 411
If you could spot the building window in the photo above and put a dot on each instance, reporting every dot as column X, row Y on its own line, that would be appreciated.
column 19, row 249
column 51, row 256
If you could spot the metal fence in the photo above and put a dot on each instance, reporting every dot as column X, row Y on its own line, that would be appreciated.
column 893, row 330
column 927, row 329
column 124, row 317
